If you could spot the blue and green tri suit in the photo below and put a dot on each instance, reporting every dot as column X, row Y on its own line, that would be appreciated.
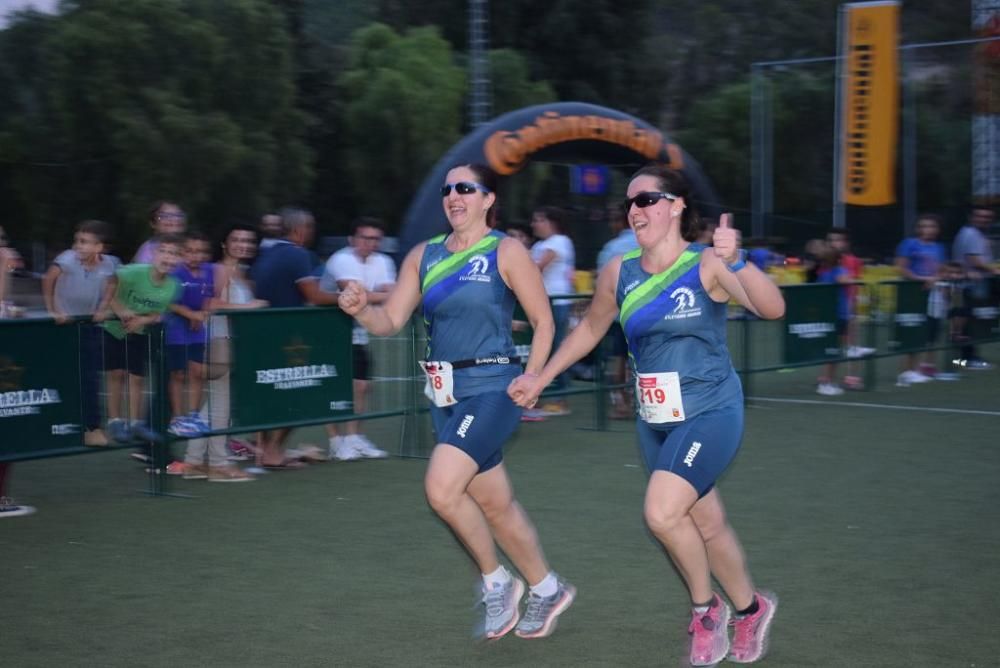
column 672, row 324
column 468, row 309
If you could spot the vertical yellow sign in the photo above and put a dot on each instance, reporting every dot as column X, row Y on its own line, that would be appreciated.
column 870, row 108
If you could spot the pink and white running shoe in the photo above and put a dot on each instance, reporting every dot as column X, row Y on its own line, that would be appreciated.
column 750, row 632
column 709, row 633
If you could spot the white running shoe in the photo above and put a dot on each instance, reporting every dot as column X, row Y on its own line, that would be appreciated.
column 365, row 448
column 342, row 450
column 829, row 389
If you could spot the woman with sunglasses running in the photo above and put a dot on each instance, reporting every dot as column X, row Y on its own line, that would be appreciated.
column 468, row 281
column 670, row 296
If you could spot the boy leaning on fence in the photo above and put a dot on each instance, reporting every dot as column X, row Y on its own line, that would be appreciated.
column 76, row 286
column 142, row 294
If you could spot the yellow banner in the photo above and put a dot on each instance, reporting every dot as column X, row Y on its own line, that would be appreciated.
column 870, row 107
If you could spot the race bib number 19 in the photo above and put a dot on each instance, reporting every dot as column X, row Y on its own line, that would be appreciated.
column 660, row 397
column 440, row 387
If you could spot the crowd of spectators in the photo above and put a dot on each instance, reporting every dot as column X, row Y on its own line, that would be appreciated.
column 172, row 280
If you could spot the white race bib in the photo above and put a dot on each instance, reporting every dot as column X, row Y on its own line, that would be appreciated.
column 659, row 397
column 440, row 387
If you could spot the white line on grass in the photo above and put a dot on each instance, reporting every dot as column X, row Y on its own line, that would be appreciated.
column 922, row 409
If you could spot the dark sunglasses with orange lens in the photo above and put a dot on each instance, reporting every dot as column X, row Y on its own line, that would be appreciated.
column 642, row 200
column 463, row 188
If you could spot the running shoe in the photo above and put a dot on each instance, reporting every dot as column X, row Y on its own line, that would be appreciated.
column 710, row 634
column 502, row 608
column 365, row 448
column 750, row 632
column 542, row 613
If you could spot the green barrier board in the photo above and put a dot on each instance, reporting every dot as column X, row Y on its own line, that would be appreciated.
column 811, row 323
column 290, row 365
column 909, row 324
column 39, row 388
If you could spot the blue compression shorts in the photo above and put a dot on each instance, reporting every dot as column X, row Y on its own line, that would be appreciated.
column 478, row 426
column 698, row 449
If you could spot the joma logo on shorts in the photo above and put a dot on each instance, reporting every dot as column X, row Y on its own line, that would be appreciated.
column 692, row 453
column 466, row 423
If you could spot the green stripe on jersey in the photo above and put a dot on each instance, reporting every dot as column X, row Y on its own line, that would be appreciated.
column 652, row 286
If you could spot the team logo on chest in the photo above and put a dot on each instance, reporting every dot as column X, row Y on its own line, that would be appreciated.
column 478, row 266
column 684, row 305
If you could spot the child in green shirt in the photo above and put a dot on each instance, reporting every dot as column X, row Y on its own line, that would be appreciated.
column 142, row 293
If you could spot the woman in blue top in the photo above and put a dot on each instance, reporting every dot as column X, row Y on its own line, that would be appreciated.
column 467, row 281
column 670, row 296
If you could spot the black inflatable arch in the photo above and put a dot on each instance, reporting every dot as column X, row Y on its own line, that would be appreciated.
column 560, row 132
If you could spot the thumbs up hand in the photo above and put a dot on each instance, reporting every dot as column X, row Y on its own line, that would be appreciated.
column 726, row 240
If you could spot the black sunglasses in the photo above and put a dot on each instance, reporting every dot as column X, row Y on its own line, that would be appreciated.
column 642, row 200
column 463, row 188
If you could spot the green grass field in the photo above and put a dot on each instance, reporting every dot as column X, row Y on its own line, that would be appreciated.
column 877, row 525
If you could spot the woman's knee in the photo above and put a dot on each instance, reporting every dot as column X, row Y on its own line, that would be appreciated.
column 442, row 498
column 662, row 517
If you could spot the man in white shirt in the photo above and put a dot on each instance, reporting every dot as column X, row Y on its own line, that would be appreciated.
column 556, row 258
column 972, row 249
column 359, row 261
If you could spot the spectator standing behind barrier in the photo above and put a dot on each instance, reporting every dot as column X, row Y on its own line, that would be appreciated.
column 283, row 275
column 919, row 258
column 622, row 241
column 671, row 298
column 164, row 218
column 77, row 285
column 556, row 258
column 468, row 281
column 187, row 337
column 830, row 270
column 840, row 239
column 9, row 261
column 360, row 261
column 232, row 291
column 972, row 249
column 142, row 294
column 270, row 230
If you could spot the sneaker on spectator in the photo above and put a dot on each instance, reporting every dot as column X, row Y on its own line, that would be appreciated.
column 11, row 509
column 750, row 632
column 364, row 447
column 342, row 450
column 909, row 377
column 182, row 426
column 228, row 474
column 541, row 614
column 532, row 415
column 502, row 603
column 118, row 431
column 95, row 438
column 710, row 634
column 854, row 383
column 829, row 389
column 143, row 432
column 198, row 423
column 554, row 409
column 239, row 450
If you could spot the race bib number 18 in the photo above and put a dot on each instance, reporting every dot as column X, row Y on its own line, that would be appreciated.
column 440, row 387
column 660, row 397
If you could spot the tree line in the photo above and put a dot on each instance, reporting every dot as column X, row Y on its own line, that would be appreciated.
column 235, row 107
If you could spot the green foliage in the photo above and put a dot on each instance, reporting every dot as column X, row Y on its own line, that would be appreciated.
column 512, row 84
column 192, row 100
column 403, row 110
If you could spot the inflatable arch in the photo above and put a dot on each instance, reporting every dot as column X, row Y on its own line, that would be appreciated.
column 559, row 132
